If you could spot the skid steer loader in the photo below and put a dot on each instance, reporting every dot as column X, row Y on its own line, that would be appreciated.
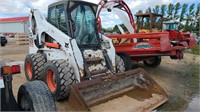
column 76, row 62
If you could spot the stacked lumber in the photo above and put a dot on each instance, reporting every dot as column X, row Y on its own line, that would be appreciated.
column 22, row 39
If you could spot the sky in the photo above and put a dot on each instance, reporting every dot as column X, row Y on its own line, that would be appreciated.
column 17, row 8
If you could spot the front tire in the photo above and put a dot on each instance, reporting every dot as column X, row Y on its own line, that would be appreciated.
column 35, row 96
column 3, row 45
column 33, row 66
column 153, row 63
column 127, row 61
column 120, row 67
column 59, row 76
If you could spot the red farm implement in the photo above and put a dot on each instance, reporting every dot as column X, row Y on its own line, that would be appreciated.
column 150, row 47
column 147, row 40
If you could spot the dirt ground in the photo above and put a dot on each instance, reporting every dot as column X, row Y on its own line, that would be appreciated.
column 179, row 78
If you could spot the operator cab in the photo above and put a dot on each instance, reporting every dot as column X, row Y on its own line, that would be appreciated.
column 77, row 19
column 170, row 26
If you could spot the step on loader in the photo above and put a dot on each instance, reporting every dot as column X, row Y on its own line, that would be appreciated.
column 77, row 62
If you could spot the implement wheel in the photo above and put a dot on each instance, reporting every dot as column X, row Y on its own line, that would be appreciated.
column 59, row 75
column 35, row 96
column 154, row 62
column 33, row 66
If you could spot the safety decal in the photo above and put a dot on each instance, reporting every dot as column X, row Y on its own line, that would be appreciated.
column 143, row 46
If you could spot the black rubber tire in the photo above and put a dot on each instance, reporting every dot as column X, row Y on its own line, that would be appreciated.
column 127, row 61
column 3, row 45
column 35, row 96
column 64, row 76
column 155, row 62
column 37, row 62
column 120, row 67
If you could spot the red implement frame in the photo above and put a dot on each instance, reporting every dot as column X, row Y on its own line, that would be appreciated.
column 149, row 44
column 158, row 44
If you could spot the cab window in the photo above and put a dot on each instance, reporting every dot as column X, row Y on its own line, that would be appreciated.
column 52, row 16
column 57, row 18
column 85, row 25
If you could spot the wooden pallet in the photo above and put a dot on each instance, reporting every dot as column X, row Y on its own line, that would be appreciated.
column 21, row 35
column 22, row 39
column 22, row 42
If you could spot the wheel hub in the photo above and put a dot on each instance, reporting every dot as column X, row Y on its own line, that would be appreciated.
column 51, row 80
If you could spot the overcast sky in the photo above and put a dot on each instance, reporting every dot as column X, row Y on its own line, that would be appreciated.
column 17, row 8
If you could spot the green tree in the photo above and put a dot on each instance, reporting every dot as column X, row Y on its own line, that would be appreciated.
column 148, row 10
column 197, row 11
column 189, row 19
column 163, row 10
column 183, row 12
column 176, row 10
column 182, row 16
column 156, row 9
column 197, row 17
column 191, row 9
column 170, row 11
column 140, row 12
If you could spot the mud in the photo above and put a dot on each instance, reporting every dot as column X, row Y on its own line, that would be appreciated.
column 179, row 78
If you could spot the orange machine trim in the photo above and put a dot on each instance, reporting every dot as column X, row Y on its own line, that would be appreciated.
column 52, row 45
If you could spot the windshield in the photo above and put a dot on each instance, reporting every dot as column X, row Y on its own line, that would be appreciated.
column 170, row 26
column 85, row 25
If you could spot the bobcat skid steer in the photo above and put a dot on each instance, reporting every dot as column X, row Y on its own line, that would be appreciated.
column 76, row 62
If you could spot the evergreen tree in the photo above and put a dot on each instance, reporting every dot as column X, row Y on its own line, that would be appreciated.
column 156, row 9
column 148, row 10
column 182, row 16
column 163, row 9
column 140, row 12
column 197, row 17
column 170, row 11
column 189, row 19
column 176, row 10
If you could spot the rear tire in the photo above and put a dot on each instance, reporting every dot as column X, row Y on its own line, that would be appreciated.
column 35, row 96
column 127, row 61
column 59, row 76
column 153, row 63
column 33, row 66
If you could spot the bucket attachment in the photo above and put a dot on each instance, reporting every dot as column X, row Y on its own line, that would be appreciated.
column 131, row 91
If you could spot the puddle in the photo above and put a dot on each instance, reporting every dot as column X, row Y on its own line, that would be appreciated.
column 15, row 63
column 194, row 105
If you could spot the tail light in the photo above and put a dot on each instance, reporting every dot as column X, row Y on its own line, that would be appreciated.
column 15, row 69
column 6, row 70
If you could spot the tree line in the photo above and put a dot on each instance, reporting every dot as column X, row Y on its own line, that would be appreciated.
column 187, row 15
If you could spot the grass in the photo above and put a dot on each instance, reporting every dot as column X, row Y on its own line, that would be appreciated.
column 196, row 50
